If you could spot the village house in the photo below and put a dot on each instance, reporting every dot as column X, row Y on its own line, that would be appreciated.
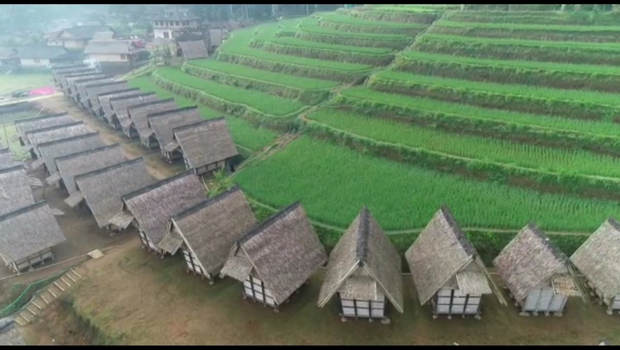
column 93, row 92
column 446, row 269
column 22, row 126
column 206, row 231
column 139, row 125
column 276, row 258
column 6, row 159
column 151, row 207
column 53, row 133
column 170, row 23
column 104, row 100
column 115, row 55
column 206, row 146
column 364, row 269
column 41, row 56
column 162, row 124
column 598, row 260
column 27, row 236
column 51, row 150
column 103, row 189
column 16, row 190
column 194, row 49
column 76, row 37
column 84, row 162
column 536, row 273
column 119, row 119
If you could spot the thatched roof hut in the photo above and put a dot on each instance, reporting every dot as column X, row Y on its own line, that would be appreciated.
column 84, row 162
column 53, row 133
column 206, row 231
column 30, row 124
column 83, row 85
column 598, row 259
column 536, row 272
column 58, row 72
column 276, row 258
column 93, row 92
column 51, row 150
column 446, row 268
column 9, row 334
column 60, row 76
column 162, row 123
column 104, row 100
column 195, row 49
column 15, row 191
column 204, row 143
column 152, row 206
column 27, row 235
column 6, row 159
column 364, row 268
column 70, row 88
column 120, row 118
column 137, row 115
column 102, row 189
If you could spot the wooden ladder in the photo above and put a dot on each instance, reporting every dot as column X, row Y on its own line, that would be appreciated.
column 46, row 296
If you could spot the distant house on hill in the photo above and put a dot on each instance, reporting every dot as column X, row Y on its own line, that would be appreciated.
column 170, row 23
column 107, row 49
column 76, row 37
column 33, row 56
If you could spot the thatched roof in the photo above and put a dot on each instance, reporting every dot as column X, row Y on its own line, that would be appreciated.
column 162, row 123
column 104, row 99
column 210, row 229
column 84, row 162
column 528, row 261
column 69, row 80
column 439, row 253
column 82, row 86
column 51, row 150
column 598, row 258
column 93, row 92
column 283, row 252
column 195, row 49
column 120, row 105
column 9, row 334
column 53, row 133
column 154, row 205
column 60, row 72
column 42, row 52
column 27, row 231
column 25, row 125
column 15, row 191
column 102, row 189
column 137, row 114
column 365, row 261
column 205, row 142
column 6, row 159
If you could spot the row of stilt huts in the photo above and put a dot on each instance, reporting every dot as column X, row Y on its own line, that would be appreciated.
column 218, row 236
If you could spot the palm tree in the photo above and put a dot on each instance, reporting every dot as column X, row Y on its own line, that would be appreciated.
column 221, row 183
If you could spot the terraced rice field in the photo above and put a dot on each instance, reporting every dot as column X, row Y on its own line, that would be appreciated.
column 506, row 116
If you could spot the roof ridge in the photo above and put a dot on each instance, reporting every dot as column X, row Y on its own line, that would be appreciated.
column 178, row 110
column 77, row 75
column 89, row 80
column 156, row 184
column 117, row 92
column 40, row 118
column 114, row 99
column 208, row 121
column 22, row 210
column 86, row 152
column 614, row 223
column 82, row 136
column 461, row 237
column 270, row 221
column 144, row 104
column 55, row 127
column 13, row 168
column 112, row 82
column 109, row 168
column 532, row 227
column 207, row 202
column 361, row 251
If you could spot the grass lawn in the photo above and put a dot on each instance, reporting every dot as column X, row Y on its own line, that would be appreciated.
column 10, row 83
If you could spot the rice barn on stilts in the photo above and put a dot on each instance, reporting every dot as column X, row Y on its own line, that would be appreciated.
column 60, row 74
column 105, row 108
column 447, row 271
column 15, row 189
column 139, row 125
column 364, row 269
column 93, row 93
column 31, row 124
column 152, row 207
column 206, row 232
column 119, row 120
column 79, row 89
column 162, row 124
column 27, row 236
column 536, row 273
column 53, row 133
column 85, row 162
column 206, row 146
column 103, row 189
column 276, row 258
column 71, row 90
column 598, row 259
